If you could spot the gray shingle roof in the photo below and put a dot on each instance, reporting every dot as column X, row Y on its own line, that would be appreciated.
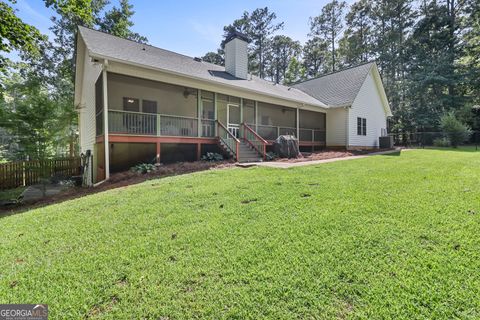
column 104, row 45
column 339, row 88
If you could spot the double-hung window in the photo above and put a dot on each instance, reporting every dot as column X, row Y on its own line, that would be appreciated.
column 361, row 126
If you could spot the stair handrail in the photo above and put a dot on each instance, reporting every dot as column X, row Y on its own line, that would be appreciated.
column 237, row 141
column 262, row 148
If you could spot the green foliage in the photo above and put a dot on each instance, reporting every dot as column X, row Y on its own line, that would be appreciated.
column 442, row 142
column 259, row 26
column 456, row 131
column 214, row 57
column 261, row 243
column 16, row 35
column 118, row 22
column 143, row 168
column 295, row 72
column 31, row 116
column 212, row 156
column 329, row 25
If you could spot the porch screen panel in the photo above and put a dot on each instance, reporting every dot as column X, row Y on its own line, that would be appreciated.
column 312, row 120
column 171, row 99
column 249, row 112
column 275, row 115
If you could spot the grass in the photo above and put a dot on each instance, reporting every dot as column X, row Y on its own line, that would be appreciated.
column 384, row 237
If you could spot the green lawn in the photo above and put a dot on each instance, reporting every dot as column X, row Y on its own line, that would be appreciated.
column 384, row 237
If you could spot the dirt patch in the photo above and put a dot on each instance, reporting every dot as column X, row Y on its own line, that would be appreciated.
column 118, row 180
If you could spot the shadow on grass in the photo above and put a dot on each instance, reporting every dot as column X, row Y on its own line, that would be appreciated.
column 459, row 149
column 393, row 154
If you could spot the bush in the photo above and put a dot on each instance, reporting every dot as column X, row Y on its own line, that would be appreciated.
column 441, row 142
column 456, row 132
column 212, row 156
column 143, row 168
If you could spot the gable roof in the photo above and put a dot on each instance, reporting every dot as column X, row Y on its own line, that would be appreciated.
column 337, row 89
column 105, row 46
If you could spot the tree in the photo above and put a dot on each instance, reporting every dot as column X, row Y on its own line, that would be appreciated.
column 456, row 132
column 282, row 50
column 315, row 53
column 295, row 72
column 356, row 44
column 118, row 22
column 214, row 57
column 31, row 116
column 16, row 35
column 259, row 27
column 329, row 25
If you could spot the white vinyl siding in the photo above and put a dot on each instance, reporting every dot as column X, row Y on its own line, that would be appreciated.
column 91, row 73
column 367, row 105
column 336, row 127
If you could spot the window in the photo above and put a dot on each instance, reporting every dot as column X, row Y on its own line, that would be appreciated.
column 361, row 126
column 149, row 106
column 131, row 104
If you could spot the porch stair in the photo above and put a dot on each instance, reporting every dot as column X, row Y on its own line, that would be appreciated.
column 247, row 154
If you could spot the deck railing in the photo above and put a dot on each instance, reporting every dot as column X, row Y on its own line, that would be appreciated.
column 254, row 139
column 151, row 124
column 178, row 126
column 229, row 140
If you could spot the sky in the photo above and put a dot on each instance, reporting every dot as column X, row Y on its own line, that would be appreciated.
column 191, row 27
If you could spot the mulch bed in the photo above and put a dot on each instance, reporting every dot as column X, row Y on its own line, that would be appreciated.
column 118, row 180
column 329, row 154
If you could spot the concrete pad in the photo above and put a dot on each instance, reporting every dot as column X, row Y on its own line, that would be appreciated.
column 36, row 192
column 285, row 165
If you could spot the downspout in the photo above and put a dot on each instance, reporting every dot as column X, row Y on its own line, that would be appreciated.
column 347, row 128
column 105, row 120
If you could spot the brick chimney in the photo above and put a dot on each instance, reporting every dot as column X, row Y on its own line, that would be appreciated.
column 236, row 54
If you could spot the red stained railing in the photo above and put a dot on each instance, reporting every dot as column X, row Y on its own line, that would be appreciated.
column 229, row 140
column 254, row 139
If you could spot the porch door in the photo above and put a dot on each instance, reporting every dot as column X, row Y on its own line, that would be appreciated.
column 233, row 119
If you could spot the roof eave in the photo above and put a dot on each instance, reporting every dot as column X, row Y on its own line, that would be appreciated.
column 103, row 57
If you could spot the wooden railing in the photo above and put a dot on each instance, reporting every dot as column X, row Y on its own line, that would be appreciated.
column 26, row 173
column 254, row 139
column 178, row 126
column 229, row 140
column 151, row 124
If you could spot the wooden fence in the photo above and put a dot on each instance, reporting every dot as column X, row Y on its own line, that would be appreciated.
column 26, row 173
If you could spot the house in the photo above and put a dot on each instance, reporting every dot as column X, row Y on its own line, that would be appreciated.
column 138, row 103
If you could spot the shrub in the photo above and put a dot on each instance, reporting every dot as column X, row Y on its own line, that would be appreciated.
column 441, row 142
column 455, row 130
column 143, row 168
column 212, row 156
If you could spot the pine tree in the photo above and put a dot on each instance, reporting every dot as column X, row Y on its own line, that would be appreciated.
column 315, row 53
column 329, row 25
column 356, row 44
column 118, row 22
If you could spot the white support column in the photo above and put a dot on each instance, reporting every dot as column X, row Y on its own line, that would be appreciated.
column 199, row 112
column 105, row 120
column 215, row 112
column 298, row 123
column 241, row 110
column 256, row 116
